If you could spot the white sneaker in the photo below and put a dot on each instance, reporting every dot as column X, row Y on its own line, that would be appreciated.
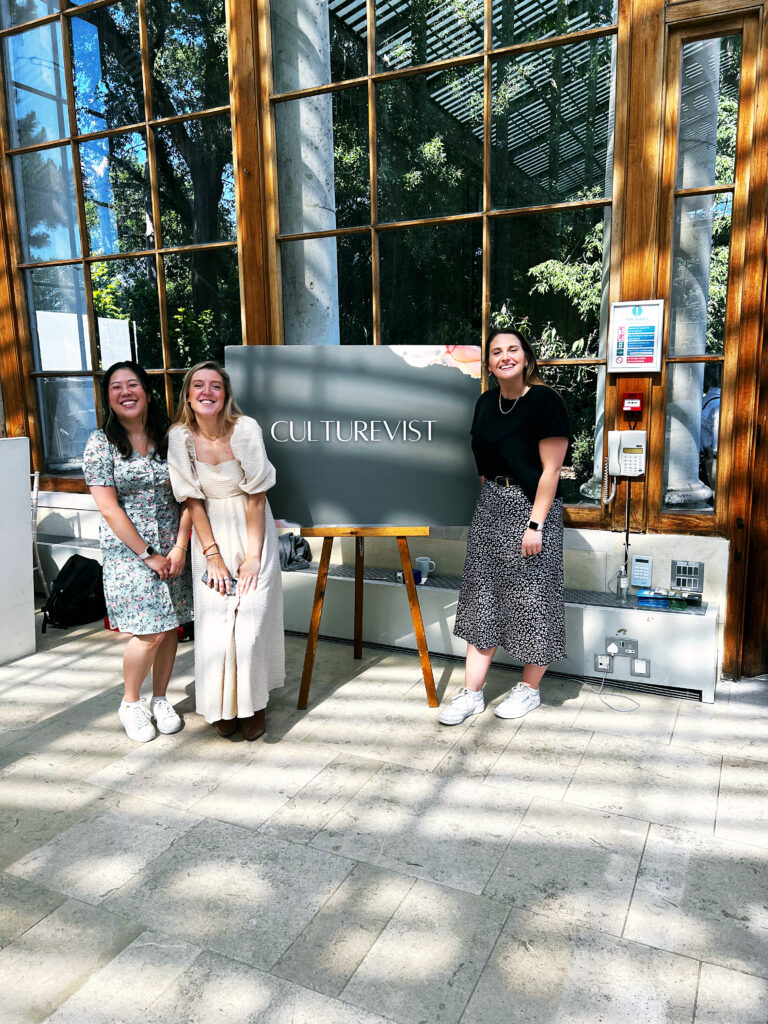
column 137, row 721
column 522, row 699
column 165, row 716
column 464, row 704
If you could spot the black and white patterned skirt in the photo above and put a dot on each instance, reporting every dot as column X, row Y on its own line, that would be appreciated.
column 507, row 600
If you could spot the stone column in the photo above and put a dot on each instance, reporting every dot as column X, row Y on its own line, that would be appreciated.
column 306, row 184
column 690, row 285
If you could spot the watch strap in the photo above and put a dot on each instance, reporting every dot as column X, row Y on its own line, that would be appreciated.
column 535, row 526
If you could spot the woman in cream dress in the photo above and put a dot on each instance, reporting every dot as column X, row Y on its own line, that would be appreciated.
column 219, row 466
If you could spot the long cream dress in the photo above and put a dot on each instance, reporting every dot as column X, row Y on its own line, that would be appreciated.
column 239, row 646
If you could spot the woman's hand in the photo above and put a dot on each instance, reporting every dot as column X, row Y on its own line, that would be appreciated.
column 531, row 543
column 159, row 564
column 248, row 574
column 218, row 575
column 177, row 558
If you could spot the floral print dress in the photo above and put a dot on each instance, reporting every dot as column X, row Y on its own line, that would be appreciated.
column 138, row 601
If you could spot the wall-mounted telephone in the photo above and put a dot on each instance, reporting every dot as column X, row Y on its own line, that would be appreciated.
column 626, row 457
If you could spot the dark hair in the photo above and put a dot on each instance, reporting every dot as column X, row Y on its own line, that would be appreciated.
column 532, row 373
column 156, row 421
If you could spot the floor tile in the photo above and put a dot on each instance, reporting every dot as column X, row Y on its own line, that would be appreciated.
column 384, row 714
column 234, row 891
column 130, row 984
column 703, row 897
column 177, row 770
column 326, row 954
column 93, row 858
column 551, row 972
column 737, row 729
column 48, row 963
column 478, row 747
column 651, row 722
column 540, row 759
column 727, row 997
column 301, row 818
column 427, row 960
column 447, row 830
column 22, row 905
column 33, row 810
column 259, row 789
column 742, row 808
column 215, row 990
column 576, row 864
column 656, row 782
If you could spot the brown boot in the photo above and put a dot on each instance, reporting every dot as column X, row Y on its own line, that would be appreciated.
column 254, row 726
column 226, row 726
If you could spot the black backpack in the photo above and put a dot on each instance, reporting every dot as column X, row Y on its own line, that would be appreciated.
column 77, row 595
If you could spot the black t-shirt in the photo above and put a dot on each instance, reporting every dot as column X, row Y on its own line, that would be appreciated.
column 508, row 445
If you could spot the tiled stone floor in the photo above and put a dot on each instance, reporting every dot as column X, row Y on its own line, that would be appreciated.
column 363, row 864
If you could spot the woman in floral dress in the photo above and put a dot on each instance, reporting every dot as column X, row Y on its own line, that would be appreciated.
column 144, row 539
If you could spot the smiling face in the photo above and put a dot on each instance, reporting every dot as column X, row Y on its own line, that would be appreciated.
column 127, row 398
column 507, row 360
column 207, row 394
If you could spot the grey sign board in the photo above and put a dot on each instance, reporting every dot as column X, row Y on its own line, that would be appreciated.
column 363, row 436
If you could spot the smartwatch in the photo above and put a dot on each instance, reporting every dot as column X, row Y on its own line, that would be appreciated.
column 148, row 552
column 535, row 526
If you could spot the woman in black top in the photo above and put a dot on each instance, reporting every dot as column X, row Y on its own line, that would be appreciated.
column 512, row 589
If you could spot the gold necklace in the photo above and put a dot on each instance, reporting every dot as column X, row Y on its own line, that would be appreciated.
column 506, row 412
column 208, row 437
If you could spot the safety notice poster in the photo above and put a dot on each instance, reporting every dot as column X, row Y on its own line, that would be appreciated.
column 636, row 332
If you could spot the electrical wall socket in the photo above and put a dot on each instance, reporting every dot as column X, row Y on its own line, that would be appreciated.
column 603, row 663
column 626, row 648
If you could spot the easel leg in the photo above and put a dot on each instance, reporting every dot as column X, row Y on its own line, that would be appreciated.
column 314, row 625
column 359, row 567
column 418, row 623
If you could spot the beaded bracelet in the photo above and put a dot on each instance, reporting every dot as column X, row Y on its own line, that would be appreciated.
column 180, row 547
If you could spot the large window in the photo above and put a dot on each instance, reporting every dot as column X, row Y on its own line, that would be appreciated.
column 444, row 167
column 118, row 134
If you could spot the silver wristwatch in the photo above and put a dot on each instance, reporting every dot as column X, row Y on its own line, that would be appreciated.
column 147, row 552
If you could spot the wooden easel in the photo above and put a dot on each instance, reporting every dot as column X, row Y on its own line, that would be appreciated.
column 329, row 534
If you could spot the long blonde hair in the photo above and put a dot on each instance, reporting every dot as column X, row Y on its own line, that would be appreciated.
column 231, row 412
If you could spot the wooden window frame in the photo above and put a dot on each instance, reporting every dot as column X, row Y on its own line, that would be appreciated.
column 741, row 332
column 17, row 362
column 575, row 515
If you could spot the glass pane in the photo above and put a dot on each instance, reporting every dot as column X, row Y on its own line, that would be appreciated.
column 58, row 318
column 118, row 206
column 45, row 194
column 552, row 131
column 431, row 285
column 547, row 273
column 691, row 436
column 430, row 143
column 315, row 43
column 699, row 289
column 34, row 84
column 127, row 312
column 326, row 285
column 188, row 55
column 410, row 32
column 68, row 415
column 197, row 184
column 709, row 112
column 203, row 305
column 514, row 22
column 322, row 161
column 107, row 68
column 16, row 12
column 579, row 387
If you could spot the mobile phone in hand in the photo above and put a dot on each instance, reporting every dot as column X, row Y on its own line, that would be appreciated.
column 232, row 581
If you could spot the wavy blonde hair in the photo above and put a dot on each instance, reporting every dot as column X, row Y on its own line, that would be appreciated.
column 231, row 412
